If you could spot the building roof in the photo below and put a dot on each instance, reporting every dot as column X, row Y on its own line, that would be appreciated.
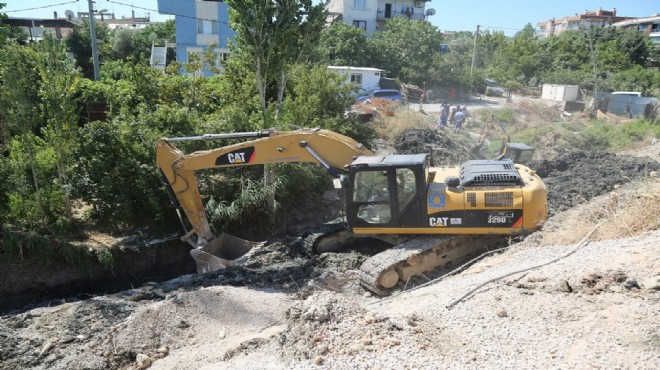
column 38, row 22
column 595, row 15
column 357, row 68
column 627, row 22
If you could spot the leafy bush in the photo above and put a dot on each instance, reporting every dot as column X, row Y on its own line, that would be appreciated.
column 116, row 173
column 34, row 200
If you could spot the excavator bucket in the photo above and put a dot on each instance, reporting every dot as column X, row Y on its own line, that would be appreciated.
column 225, row 250
column 475, row 152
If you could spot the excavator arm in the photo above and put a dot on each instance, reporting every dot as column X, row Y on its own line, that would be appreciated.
column 330, row 149
column 492, row 124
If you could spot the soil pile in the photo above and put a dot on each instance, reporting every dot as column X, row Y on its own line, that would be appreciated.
column 577, row 177
column 444, row 151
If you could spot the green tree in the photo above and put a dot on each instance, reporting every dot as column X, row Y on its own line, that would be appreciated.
column 20, row 115
column 79, row 42
column 406, row 48
column 272, row 36
column 136, row 44
column 319, row 98
column 518, row 61
column 636, row 78
column 58, row 93
column 343, row 45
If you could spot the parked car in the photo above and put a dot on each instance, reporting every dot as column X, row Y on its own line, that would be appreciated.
column 628, row 93
column 492, row 88
column 389, row 94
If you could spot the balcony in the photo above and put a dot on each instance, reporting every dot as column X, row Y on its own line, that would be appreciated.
column 412, row 13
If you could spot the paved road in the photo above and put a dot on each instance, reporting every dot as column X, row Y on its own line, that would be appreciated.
column 474, row 103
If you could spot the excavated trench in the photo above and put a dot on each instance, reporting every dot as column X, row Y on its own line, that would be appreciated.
column 286, row 265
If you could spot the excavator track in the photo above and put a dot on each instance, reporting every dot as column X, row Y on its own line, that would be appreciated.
column 406, row 264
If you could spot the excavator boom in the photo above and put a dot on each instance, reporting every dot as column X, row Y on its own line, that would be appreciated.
column 330, row 149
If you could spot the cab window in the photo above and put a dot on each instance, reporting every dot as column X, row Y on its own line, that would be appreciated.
column 371, row 195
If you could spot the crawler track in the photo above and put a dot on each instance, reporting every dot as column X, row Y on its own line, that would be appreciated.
column 419, row 260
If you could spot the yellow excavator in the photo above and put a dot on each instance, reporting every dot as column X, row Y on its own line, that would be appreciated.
column 432, row 216
column 517, row 152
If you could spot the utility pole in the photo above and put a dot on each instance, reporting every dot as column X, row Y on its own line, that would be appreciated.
column 92, row 35
column 594, row 109
column 474, row 58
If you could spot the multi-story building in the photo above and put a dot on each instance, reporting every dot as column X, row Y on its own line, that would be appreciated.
column 589, row 19
column 198, row 24
column 371, row 15
column 34, row 27
column 648, row 25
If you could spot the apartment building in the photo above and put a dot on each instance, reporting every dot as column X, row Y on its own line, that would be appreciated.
column 371, row 15
column 598, row 18
column 648, row 25
column 198, row 24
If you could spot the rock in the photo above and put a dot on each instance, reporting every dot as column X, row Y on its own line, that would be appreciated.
column 164, row 350
column 652, row 283
column 630, row 284
column 565, row 287
column 318, row 360
column 48, row 346
column 143, row 361
column 615, row 288
column 502, row 313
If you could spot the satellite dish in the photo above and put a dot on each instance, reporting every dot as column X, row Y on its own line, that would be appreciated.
column 430, row 12
column 69, row 14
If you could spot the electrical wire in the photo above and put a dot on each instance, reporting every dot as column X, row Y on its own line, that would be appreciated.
column 168, row 13
column 39, row 7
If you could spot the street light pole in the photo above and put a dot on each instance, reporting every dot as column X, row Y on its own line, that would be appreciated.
column 92, row 35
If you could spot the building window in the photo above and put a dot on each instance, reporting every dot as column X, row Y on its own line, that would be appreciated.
column 207, row 27
column 642, row 27
column 656, row 27
column 356, row 78
column 360, row 24
column 359, row 4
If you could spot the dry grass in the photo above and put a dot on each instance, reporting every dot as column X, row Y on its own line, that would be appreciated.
column 390, row 127
column 629, row 210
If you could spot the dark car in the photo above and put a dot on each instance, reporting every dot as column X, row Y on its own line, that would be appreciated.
column 389, row 94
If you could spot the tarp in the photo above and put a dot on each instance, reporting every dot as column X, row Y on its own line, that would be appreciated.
column 627, row 105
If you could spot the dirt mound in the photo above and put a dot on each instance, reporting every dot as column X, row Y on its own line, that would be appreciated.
column 579, row 176
column 443, row 149
column 330, row 330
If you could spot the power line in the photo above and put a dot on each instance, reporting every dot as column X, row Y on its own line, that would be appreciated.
column 168, row 13
column 39, row 7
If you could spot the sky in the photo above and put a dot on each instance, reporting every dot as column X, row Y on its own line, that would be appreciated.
column 508, row 16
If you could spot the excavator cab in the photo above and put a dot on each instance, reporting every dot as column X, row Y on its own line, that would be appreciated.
column 387, row 191
column 517, row 152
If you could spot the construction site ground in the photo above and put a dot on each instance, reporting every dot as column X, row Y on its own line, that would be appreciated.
column 595, row 306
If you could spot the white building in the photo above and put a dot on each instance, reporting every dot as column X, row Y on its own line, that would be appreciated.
column 371, row 15
column 366, row 78
column 560, row 92
column 648, row 25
